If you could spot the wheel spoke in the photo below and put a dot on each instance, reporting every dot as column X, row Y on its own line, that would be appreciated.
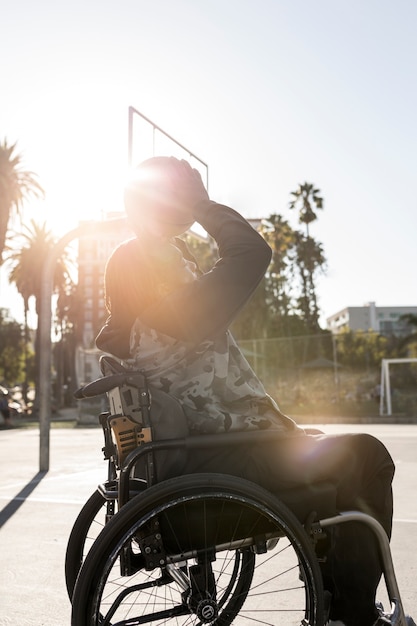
column 178, row 570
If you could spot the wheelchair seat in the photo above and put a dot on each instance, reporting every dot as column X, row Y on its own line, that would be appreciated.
column 140, row 414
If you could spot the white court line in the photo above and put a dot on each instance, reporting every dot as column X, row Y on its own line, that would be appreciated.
column 47, row 479
column 44, row 500
column 65, row 501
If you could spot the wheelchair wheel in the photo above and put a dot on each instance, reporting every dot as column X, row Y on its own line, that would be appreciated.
column 88, row 525
column 200, row 549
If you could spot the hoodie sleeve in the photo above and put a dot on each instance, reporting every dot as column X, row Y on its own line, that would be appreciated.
column 208, row 305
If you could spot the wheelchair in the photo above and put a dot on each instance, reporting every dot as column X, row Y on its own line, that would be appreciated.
column 195, row 549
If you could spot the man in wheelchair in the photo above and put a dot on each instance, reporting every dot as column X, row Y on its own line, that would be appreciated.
column 170, row 320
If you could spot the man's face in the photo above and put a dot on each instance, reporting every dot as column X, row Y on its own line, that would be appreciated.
column 162, row 230
column 173, row 269
column 187, row 269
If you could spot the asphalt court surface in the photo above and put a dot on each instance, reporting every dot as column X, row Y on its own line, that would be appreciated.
column 37, row 511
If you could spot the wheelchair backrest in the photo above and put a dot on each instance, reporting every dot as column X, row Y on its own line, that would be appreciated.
column 142, row 413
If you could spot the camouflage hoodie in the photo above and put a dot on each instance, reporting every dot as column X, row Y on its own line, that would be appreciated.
column 183, row 344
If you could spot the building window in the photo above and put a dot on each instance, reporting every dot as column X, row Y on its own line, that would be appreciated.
column 386, row 327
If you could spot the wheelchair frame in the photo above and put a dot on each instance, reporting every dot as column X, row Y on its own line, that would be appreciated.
column 135, row 444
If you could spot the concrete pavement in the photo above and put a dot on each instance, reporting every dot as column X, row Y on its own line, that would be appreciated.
column 38, row 510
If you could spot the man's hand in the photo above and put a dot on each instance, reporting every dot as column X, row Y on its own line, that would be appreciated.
column 162, row 197
column 188, row 188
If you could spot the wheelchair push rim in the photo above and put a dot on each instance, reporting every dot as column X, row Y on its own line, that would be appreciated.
column 200, row 549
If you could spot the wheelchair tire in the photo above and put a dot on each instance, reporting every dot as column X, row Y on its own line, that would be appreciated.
column 194, row 550
column 88, row 525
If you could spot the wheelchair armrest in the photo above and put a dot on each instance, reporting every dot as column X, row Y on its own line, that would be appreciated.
column 319, row 497
column 103, row 385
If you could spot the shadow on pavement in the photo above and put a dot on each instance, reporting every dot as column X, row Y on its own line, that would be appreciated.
column 11, row 508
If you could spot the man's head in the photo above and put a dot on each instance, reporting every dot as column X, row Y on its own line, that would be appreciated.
column 154, row 199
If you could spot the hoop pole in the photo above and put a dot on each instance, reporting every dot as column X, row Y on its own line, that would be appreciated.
column 130, row 137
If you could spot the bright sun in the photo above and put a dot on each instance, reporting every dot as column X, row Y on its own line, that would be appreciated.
column 84, row 168
column 78, row 196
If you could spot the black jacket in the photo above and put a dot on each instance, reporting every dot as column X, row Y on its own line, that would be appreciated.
column 207, row 306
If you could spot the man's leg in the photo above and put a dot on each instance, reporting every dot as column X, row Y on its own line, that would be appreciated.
column 362, row 470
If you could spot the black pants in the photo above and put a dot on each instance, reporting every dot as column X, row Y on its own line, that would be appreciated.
column 361, row 469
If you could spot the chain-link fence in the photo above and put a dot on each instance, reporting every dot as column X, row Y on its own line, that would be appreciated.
column 325, row 375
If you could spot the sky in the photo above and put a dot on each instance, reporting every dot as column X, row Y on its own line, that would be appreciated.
column 269, row 93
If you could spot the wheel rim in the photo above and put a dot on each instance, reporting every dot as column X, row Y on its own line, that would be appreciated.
column 280, row 589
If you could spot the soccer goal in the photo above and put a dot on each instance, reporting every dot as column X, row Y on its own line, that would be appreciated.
column 385, row 401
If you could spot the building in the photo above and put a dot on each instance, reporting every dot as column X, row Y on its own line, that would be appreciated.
column 93, row 253
column 384, row 320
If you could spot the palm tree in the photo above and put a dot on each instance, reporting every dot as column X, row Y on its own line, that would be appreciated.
column 27, row 264
column 310, row 259
column 307, row 200
column 281, row 237
column 309, row 252
column 16, row 185
column 409, row 344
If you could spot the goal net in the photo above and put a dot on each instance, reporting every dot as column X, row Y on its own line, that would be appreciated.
column 385, row 402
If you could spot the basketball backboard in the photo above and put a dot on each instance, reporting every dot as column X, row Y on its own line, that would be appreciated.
column 146, row 139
